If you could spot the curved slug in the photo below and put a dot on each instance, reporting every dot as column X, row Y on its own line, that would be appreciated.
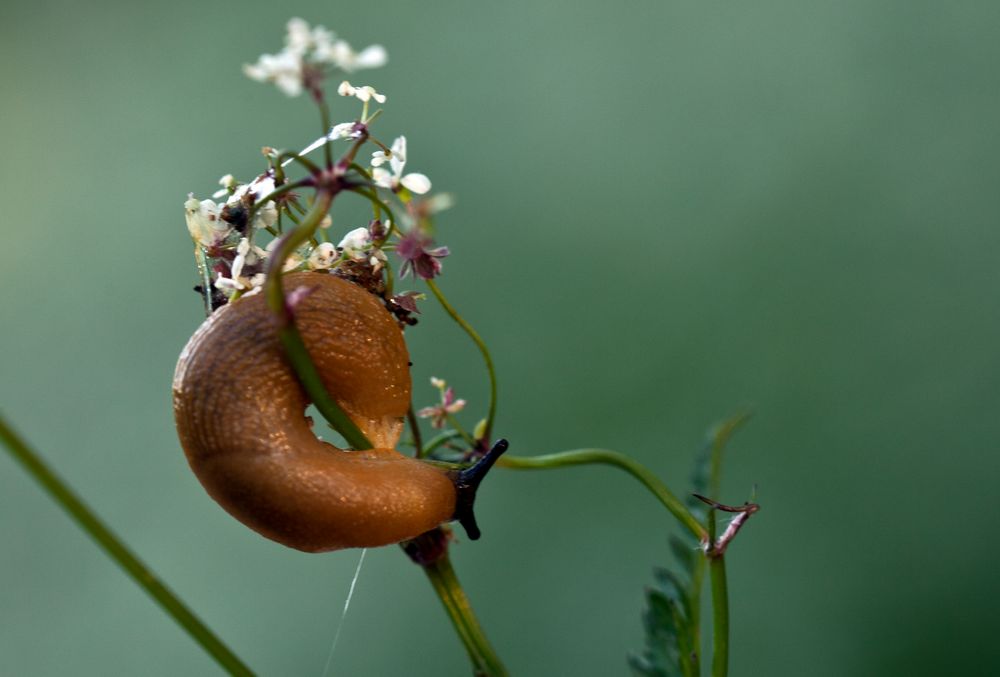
column 240, row 415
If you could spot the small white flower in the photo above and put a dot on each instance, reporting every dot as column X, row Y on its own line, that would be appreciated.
column 301, row 39
column 377, row 260
column 323, row 257
column 438, row 383
column 364, row 93
column 204, row 223
column 414, row 182
column 305, row 53
column 228, row 184
column 326, row 222
column 355, row 242
column 242, row 249
column 237, row 281
column 284, row 69
column 341, row 55
column 228, row 284
column 345, row 130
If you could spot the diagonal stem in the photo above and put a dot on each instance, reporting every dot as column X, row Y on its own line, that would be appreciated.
column 291, row 339
column 484, row 659
column 491, row 372
column 85, row 518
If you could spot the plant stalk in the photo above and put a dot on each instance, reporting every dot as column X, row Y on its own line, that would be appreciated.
column 720, row 616
column 291, row 339
column 484, row 659
column 720, row 604
column 85, row 518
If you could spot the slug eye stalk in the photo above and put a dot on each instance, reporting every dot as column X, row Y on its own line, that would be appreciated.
column 467, row 483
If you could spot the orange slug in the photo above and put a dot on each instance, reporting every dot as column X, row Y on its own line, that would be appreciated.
column 240, row 415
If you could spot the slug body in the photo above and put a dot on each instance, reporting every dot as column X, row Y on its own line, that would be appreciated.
column 240, row 415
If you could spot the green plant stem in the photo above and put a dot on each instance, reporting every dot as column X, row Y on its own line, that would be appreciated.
column 484, row 659
column 117, row 551
column 720, row 616
column 438, row 440
column 324, row 114
column 448, row 308
column 613, row 458
column 295, row 348
column 720, row 605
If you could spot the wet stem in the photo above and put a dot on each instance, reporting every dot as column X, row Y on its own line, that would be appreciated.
column 442, row 577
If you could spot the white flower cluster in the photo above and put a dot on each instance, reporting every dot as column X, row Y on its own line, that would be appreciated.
column 237, row 281
column 307, row 48
column 221, row 238
column 205, row 219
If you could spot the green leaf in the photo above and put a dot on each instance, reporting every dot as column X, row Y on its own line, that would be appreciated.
column 672, row 615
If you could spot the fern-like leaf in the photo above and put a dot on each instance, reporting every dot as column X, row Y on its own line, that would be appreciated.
column 672, row 616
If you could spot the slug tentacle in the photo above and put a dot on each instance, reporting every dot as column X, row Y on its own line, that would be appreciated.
column 240, row 415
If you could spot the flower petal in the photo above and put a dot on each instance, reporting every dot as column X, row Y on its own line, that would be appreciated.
column 416, row 183
column 373, row 56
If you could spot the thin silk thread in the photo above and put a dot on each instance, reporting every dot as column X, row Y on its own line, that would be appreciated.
column 347, row 603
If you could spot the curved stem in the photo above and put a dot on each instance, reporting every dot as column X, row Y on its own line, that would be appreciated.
column 453, row 422
column 441, row 439
column 119, row 552
column 614, row 458
column 291, row 339
column 484, row 659
column 491, row 412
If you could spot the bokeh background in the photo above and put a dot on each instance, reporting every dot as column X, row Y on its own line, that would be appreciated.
column 667, row 211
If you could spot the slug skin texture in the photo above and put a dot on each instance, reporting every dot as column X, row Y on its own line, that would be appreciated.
column 240, row 415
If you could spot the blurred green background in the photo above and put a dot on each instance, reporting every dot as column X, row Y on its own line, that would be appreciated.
column 666, row 211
